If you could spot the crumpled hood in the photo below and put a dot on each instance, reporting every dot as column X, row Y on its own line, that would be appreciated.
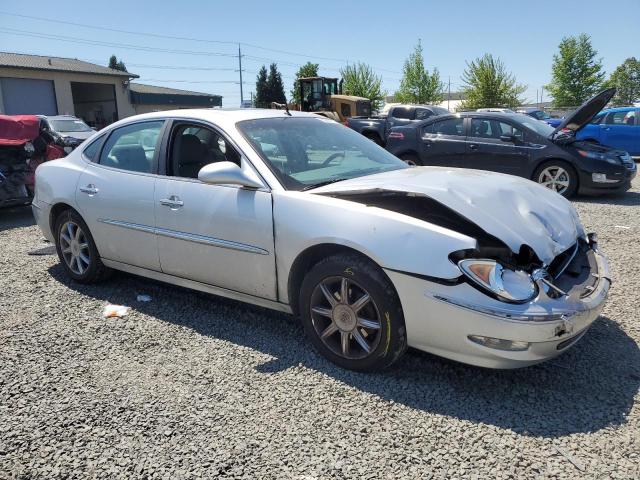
column 515, row 210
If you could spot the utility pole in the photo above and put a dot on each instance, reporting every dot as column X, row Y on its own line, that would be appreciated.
column 449, row 94
column 541, row 95
column 240, row 67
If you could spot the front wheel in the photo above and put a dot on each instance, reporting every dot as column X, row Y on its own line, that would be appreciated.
column 352, row 314
column 558, row 176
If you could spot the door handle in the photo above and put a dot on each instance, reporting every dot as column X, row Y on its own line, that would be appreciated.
column 172, row 202
column 473, row 146
column 89, row 189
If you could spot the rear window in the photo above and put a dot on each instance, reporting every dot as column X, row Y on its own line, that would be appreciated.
column 401, row 113
column 450, row 126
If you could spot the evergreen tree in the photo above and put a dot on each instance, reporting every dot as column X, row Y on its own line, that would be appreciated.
column 262, row 89
column 275, row 85
column 576, row 73
column 418, row 85
column 116, row 65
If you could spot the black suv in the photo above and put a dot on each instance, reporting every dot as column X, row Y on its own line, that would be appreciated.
column 520, row 145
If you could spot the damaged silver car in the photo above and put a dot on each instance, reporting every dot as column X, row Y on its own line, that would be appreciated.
column 296, row 213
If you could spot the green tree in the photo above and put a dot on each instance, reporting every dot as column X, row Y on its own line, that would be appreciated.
column 487, row 83
column 307, row 70
column 275, row 85
column 116, row 65
column 361, row 81
column 626, row 80
column 262, row 89
column 576, row 73
column 417, row 84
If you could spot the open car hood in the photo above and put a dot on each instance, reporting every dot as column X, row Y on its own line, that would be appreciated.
column 585, row 113
column 515, row 210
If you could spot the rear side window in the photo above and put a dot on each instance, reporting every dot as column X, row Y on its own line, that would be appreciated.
column 91, row 152
column 450, row 126
column 423, row 113
column 133, row 148
column 402, row 113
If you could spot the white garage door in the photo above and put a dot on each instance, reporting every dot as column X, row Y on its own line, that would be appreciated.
column 24, row 96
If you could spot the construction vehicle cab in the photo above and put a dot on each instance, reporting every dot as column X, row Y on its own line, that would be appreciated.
column 324, row 94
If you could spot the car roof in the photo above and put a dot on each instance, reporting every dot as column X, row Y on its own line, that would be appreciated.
column 620, row 109
column 219, row 116
column 474, row 114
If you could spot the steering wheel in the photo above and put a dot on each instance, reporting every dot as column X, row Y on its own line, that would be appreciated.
column 332, row 157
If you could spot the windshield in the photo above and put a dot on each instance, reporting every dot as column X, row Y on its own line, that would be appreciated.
column 537, row 126
column 307, row 152
column 74, row 125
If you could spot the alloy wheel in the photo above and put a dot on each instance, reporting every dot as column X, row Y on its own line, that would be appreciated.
column 345, row 317
column 74, row 247
column 555, row 178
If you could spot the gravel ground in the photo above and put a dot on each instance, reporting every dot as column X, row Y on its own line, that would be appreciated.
column 191, row 385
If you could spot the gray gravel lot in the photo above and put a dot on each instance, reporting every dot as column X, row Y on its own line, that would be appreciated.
column 190, row 385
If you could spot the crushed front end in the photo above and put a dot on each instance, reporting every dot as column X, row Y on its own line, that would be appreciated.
column 465, row 321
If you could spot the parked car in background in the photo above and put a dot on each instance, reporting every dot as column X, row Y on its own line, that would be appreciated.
column 495, row 110
column 616, row 128
column 71, row 131
column 518, row 144
column 540, row 115
column 377, row 128
column 372, row 255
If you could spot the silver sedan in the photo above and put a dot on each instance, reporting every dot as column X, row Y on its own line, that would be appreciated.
column 297, row 213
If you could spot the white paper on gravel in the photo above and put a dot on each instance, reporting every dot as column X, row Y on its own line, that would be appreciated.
column 111, row 311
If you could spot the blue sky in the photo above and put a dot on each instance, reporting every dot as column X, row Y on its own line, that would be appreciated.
column 523, row 34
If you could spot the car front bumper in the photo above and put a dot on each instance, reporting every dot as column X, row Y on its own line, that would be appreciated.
column 605, row 179
column 441, row 318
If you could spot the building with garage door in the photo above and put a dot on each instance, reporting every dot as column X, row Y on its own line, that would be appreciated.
column 44, row 85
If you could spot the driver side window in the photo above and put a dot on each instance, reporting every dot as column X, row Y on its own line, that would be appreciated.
column 193, row 147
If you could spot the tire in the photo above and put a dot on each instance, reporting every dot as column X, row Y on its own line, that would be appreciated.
column 87, row 266
column 410, row 159
column 557, row 173
column 378, row 322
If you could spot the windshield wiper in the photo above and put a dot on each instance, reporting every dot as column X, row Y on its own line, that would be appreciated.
column 322, row 184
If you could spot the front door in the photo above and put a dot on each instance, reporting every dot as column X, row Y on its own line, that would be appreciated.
column 221, row 235
column 116, row 193
column 622, row 130
column 496, row 146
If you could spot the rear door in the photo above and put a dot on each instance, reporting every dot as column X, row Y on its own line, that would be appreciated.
column 496, row 145
column 622, row 130
column 115, row 194
column 443, row 142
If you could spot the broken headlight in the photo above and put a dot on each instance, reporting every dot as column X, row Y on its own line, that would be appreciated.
column 514, row 286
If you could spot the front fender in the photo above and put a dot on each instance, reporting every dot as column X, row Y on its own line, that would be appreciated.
column 394, row 241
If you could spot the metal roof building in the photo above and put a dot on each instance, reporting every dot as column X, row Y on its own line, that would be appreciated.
column 48, row 85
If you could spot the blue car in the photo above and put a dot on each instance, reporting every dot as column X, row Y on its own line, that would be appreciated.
column 540, row 115
column 616, row 127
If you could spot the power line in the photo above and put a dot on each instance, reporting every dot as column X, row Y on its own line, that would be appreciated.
column 192, row 39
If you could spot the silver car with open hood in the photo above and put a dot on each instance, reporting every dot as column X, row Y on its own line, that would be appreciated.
column 296, row 213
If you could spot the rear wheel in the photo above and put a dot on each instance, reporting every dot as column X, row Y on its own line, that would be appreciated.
column 410, row 159
column 76, row 249
column 558, row 176
column 352, row 314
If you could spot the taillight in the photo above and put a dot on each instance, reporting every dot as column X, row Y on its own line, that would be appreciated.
column 397, row 135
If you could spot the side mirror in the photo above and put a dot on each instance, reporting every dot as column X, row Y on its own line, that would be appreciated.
column 227, row 173
column 508, row 138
